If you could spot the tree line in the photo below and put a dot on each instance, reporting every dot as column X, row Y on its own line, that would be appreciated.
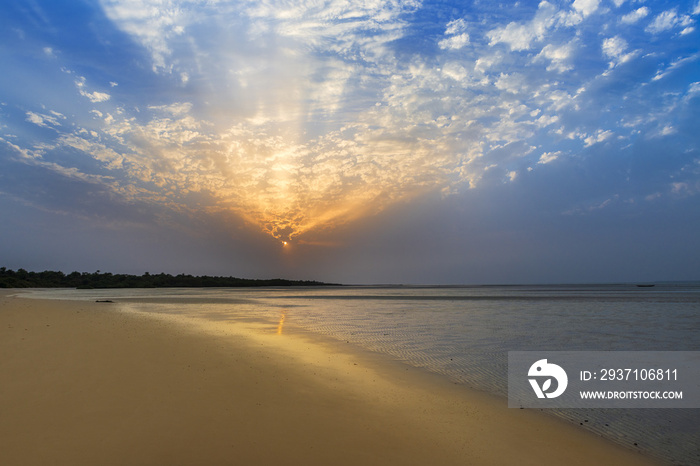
column 50, row 279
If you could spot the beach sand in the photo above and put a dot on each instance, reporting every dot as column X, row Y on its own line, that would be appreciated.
column 84, row 383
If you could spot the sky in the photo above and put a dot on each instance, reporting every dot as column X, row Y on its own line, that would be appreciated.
column 354, row 141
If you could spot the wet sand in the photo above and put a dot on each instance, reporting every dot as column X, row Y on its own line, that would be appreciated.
column 85, row 383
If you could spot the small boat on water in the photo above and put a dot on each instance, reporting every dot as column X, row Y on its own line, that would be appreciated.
column 645, row 286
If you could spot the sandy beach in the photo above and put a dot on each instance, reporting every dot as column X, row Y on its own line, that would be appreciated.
column 85, row 383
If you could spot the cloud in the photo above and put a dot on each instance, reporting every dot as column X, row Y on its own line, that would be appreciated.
column 667, row 20
column 581, row 9
column 599, row 136
column 614, row 48
column 455, row 42
column 98, row 151
column 634, row 16
column 456, row 35
column 455, row 71
column 46, row 121
column 153, row 22
column 694, row 89
column 92, row 96
column 520, row 36
column 675, row 65
column 161, row 25
column 285, row 188
column 586, row 7
column 548, row 157
column 512, row 82
column 456, row 26
column 559, row 56
column 302, row 117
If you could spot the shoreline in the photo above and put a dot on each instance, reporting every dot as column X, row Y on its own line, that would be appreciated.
column 88, row 383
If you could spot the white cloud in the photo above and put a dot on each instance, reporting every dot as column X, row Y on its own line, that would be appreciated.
column 26, row 154
column 682, row 188
column 456, row 35
column 153, row 22
column 95, row 96
column 513, row 83
column 455, row 42
column 668, row 20
column 599, row 136
column 175, row 109
column 305, row 116
column 46, row 121
column 487, row 62
column 36, row 119
column 675, row 65
column 694, row 89
column 457, row 26
column 546, row 120
column 668, row 130
column 614, row 48
column 98, row 151
column 581, row 9
column 586, row 7
column 634, row 16
column 519, row 36
column 559, row 57
column 327, row 95
column 549, row 157
column 455, row 71
column 92, row 96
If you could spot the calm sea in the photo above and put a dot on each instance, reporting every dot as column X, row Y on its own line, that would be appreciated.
column 464, row 333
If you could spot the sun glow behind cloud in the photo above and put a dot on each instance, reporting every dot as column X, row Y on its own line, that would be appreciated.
column 300, row 117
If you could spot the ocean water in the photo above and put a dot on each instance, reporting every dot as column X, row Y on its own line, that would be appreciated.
column 465, row 333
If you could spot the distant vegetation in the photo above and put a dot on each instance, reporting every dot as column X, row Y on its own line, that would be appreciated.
column 23, row 279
